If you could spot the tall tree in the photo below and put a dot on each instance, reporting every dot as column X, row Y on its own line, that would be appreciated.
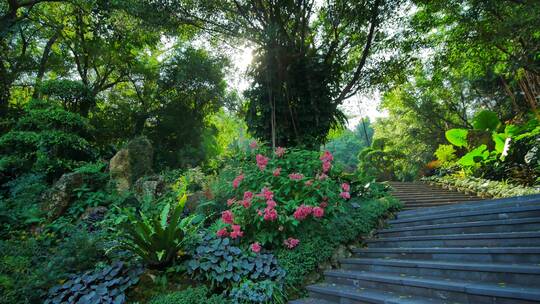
column 310, row 57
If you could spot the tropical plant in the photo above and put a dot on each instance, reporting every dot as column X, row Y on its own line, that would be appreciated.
column 160, row 239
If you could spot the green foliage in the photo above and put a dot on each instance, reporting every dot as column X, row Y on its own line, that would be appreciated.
column 317, row 246
column 105, row 285
column 446, row 154
column 218, row 261
column 159, row 239
column 73, row 95
column 346, row 146
column 30, row 266
column 457, row 137
column 195, row 295
column 486, row 120
column 46, row 140
column 257, row 292
column 481, row 187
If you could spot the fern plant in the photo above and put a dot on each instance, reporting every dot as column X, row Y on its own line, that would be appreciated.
column 160, row 239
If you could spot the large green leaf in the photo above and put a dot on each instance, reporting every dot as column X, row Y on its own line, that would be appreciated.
column 457, row 137
column 486, row 120
column 499, row 139
column 475, row 156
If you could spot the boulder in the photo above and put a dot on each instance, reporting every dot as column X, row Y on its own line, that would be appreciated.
column 149, row 187
column 131, row 163
column 60, row 196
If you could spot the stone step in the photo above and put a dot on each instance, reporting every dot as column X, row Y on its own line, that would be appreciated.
column 511, row 255
column 346, row 294
column 451, row 290
column 528, row 200
column 510, row 239
column 482, row 272
column 489, row 226
column 435, row 200
column 310, row 301
column 428, row 205
column 469, row 216
column 430, row 194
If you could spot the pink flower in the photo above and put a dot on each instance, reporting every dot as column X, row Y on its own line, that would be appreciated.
column 271, row 203
column 318, row 212
column 246, row 203
column 236, row 232
column 346, row 187
column 277, row 171
column 262, row 161
column 326, row 166
column 270, row 214
column 256, row 247
column 322, row 176
column 237, row 180
column 248, row 195
column 291, row 243
column 253, row 144
column 222, row 232
column 296, row 176
column 302, row 212
column 309, row 183
column 280, row 151
column 323, row 205
column 231, row 201
column 259, row 212
column 345, row 195
column 327, row 156
column 227, row 216
column 266, row 193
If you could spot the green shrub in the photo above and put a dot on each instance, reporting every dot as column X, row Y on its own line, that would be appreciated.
column 218, row 261
column 446, row 154
column 30, row 266
column 481, row 187
column 258, row 292
column 197, row 295
column 270, row 197
column 317, row 246
column 46, row 140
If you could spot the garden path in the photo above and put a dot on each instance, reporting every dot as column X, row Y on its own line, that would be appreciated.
column 445, row 247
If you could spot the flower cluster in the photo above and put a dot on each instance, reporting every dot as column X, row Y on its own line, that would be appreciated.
column 280, row 151
column 237, row 180
column 296, row 176
column 326, row 159
column 291, row 243
column 262, row 161
column 345, row 194
column 288, row 190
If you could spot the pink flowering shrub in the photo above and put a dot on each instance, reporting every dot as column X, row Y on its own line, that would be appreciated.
column 271, row 194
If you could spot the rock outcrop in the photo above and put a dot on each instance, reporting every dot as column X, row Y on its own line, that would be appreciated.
column 131, row 163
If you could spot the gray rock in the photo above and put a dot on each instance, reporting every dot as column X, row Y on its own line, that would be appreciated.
column 149, row 187
column 131, row 163
column 60, row 196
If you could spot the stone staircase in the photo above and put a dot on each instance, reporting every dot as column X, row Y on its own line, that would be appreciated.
column 474, row 252
column 417, row 195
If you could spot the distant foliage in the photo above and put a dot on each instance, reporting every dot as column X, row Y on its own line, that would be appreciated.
column 46, row 140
